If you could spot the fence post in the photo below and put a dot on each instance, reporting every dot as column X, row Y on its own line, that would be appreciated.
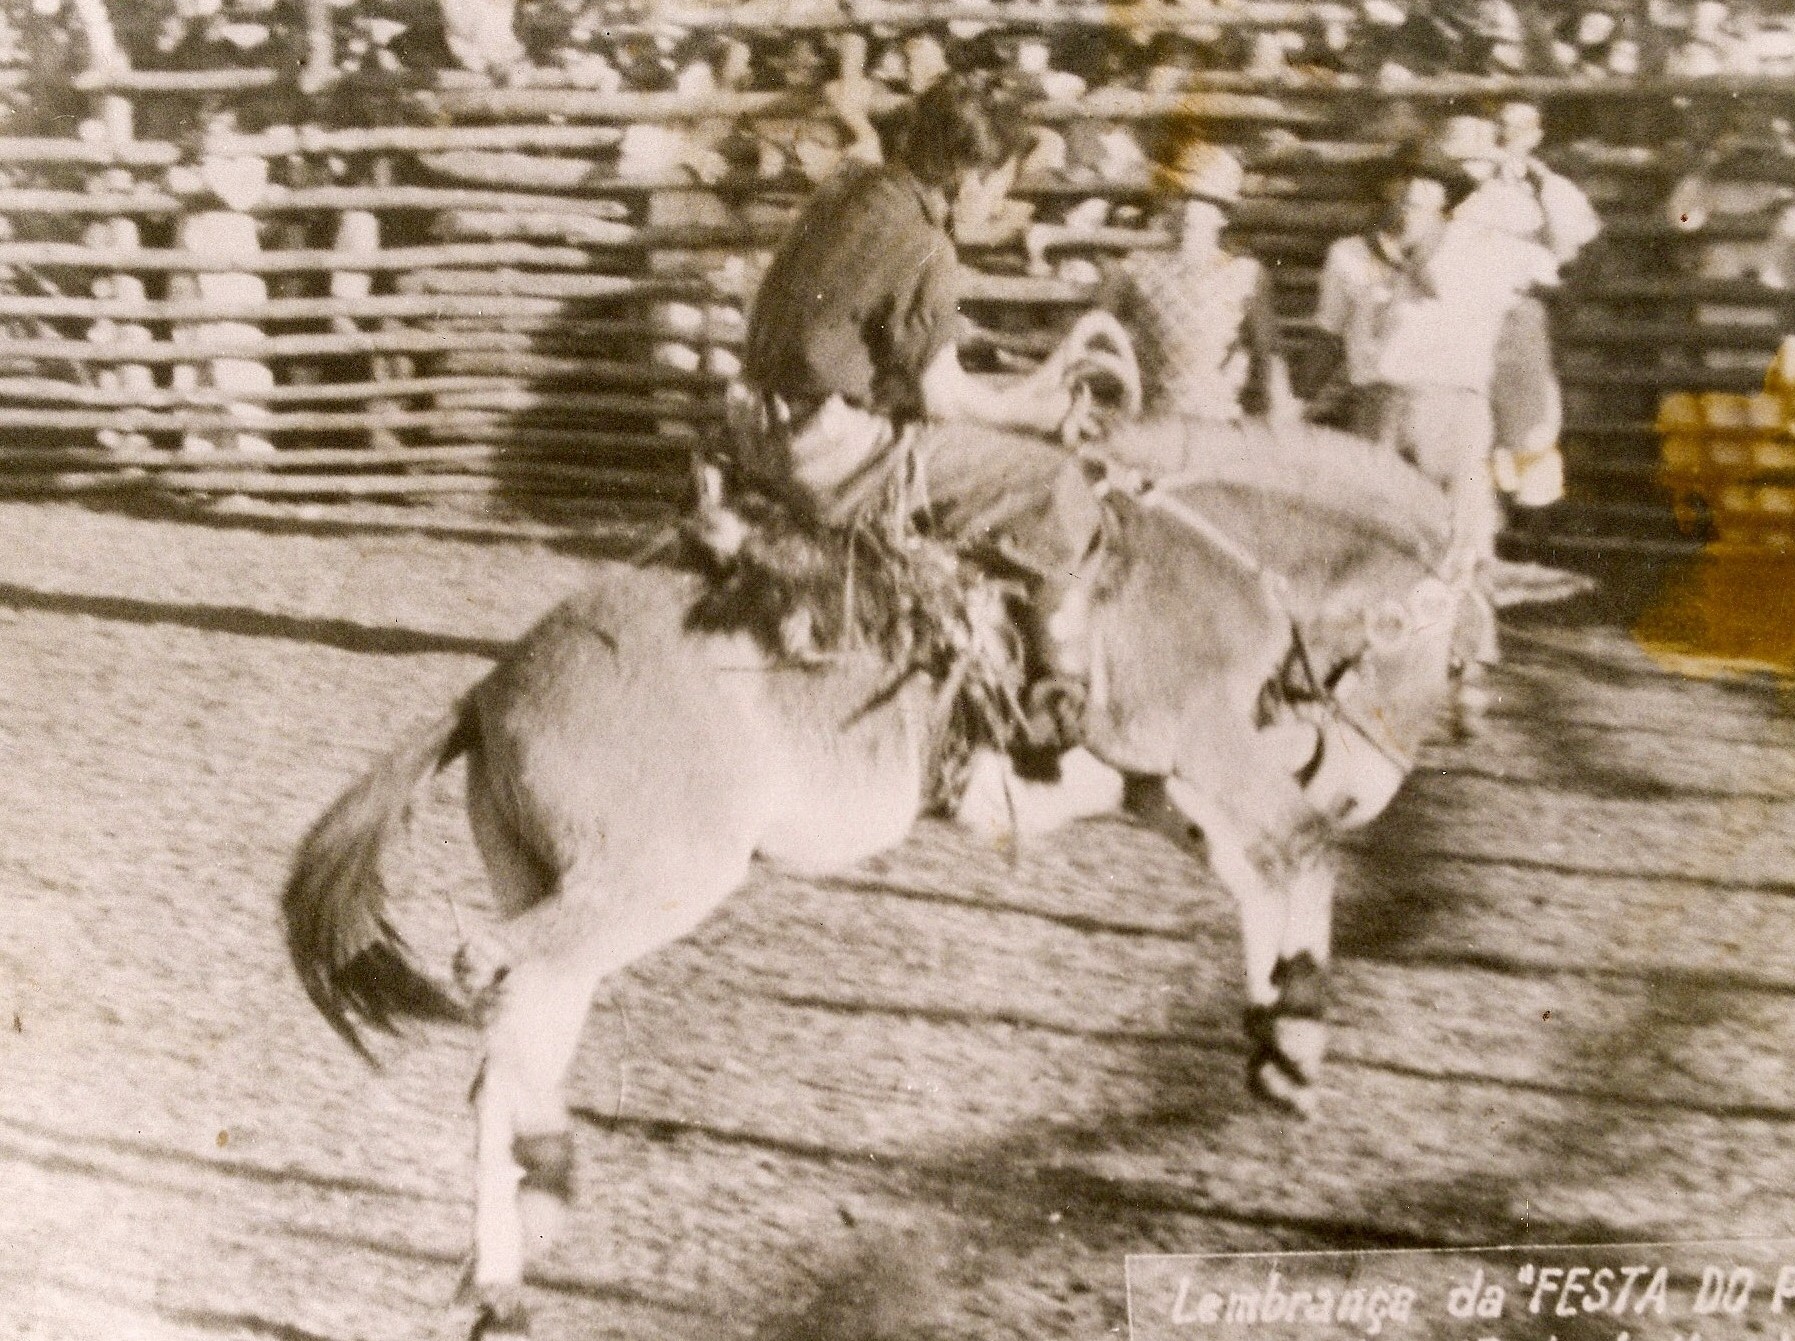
column 237, row 180
column 320, row 69
column 114, row 126
column 358, row 233
column 104, row 54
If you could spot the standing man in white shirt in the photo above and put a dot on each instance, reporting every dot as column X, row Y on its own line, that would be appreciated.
column 1437, row 350
column 1339, row 373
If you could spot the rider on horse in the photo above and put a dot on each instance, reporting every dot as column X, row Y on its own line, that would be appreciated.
column 854, row 405
column 853, row 337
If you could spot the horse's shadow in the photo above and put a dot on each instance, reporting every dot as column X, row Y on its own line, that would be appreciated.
column 943, row 1219
column 248, row 622
column 1017, row 1195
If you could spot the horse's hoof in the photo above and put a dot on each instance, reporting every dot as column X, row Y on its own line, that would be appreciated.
column 1301, row 1044
column 501, row 1318
column 1288, row 1048
column 1276, row 1085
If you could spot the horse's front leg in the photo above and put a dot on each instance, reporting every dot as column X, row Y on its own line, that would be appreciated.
column 1282, row 884
column 1291, row 1038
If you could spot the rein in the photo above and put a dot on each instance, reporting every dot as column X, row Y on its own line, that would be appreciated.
column 1277, row 588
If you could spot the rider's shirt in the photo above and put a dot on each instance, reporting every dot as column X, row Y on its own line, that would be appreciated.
column 860, row 298
column 1190, row 318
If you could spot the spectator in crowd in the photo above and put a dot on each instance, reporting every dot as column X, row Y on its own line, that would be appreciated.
column 1437, row 356
column 1201, row 316
column 1526, row 198
column 1340, row 375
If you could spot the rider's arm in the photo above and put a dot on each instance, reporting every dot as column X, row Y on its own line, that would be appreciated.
column 950, row 392
column 1571, row 221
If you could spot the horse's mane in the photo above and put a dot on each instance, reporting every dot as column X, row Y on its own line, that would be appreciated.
column 852, row 587
column 1346, row 523
column 1320, row 470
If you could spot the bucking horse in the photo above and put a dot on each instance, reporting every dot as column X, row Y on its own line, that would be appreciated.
column 1265, row 619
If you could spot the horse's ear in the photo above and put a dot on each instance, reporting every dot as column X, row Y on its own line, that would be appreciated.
column 1096, row 471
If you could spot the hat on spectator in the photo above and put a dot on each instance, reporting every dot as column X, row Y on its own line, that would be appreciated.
column 1467, row 139
column 1205, row 171
column 1520, row 126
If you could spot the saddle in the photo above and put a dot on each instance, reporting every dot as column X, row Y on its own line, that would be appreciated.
column 809, row 594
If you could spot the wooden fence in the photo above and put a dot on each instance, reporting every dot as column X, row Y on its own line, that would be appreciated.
column 532, row 292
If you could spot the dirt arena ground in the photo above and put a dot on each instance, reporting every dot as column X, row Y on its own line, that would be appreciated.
column 940, row 1097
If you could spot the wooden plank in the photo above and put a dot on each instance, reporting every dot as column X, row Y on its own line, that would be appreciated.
column 581, row 230
column 176, row 81
column 503, row 282
column 535, row 104
column 514, row 432
column 482, row 412
column 1581, row 372
column 310, row 139
column 290, row 200
column 427, row 305
column 95, row 459
column 587, row 335
column 536, row 172
column 574, row 104
column 105, row 153
column 551, row 367
column 1694, row 288
column 497, row 479
column 777, row 16
column 156, row 260
column 591, row 371
column 1600, row 331
column 497, row 333
column 50, row 390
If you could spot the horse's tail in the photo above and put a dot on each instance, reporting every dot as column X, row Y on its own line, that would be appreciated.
column 352, row 962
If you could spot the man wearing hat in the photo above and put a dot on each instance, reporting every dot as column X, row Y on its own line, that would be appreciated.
column 1440, row 331
column 1340, row 377
column 1201, row 316
column 852, row 338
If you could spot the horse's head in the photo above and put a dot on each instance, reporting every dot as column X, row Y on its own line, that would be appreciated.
column 1167, row 626
column 1199, row 650
column 1383, row 698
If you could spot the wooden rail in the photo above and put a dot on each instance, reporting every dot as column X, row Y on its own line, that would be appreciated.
column 519, row 304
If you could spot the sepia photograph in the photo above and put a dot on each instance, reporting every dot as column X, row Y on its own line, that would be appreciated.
column 897, row 670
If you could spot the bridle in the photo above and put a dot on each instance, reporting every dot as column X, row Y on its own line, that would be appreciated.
column 1323, row 691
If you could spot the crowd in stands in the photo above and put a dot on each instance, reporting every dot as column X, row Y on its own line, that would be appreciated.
column 611, row 45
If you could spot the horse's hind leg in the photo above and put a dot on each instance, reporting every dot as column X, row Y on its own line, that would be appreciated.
column 533, row 1012
column 585, row 925
column 524, row 1151
column 594, row 925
